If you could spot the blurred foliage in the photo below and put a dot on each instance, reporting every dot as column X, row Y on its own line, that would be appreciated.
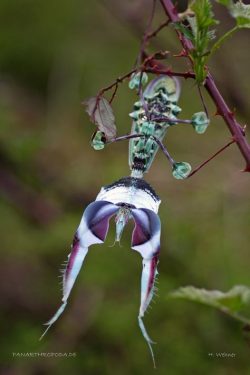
column 53, row 55
column 230, row 302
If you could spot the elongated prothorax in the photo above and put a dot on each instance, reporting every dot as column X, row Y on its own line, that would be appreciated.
column 122, row 217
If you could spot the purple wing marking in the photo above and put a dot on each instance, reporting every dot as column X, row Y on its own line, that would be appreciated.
column 146, row 240
column 93, row 229
column 147, row 231
column 97, row 216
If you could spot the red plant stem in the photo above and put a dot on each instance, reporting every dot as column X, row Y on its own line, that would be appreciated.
column 172, row 14
column 228, row 116
column 116, row 82
column 222, row 108
column 213, row 156
column 114, row 93
column 167, row 71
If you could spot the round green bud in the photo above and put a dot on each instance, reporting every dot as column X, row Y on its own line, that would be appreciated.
column 134, row 82
column 181, row 170
column 200, row 122
column 98, row 140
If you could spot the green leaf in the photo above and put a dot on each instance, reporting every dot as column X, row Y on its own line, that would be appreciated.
column 101, row 113
column 184, row 30
column 203, row 13
column 202, row 35
column 229, row 302
column 241, row 12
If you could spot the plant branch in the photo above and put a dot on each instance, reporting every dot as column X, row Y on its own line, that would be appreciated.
column 156, row 31
column 236, row 130
column 146, row 36
column 115, row 84
column 149, row 65
column 155, row 69
column 213, row 156
column 222, row 108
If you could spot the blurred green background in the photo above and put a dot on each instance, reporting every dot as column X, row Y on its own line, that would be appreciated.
column 53, row 55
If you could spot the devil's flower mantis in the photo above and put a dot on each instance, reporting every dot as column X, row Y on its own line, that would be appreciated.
column 132, row 198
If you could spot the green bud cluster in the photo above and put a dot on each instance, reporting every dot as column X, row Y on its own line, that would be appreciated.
column 200, row 122
column 135, row 79
column 181, row 170
column 98, row 141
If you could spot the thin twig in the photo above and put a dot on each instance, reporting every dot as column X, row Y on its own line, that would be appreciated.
column 202, row 100
column 116, row 82
column 213, row 156
column 145, row 36
column 114, row 93
column 168, row 72
column 156, row 31
column 109, row 87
